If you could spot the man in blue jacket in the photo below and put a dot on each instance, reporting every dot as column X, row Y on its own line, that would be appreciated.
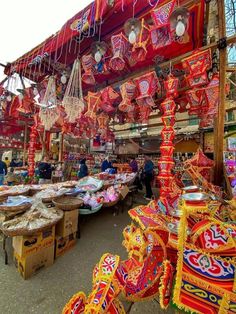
column 148, row 176
column 3, row 171
column 106, row 164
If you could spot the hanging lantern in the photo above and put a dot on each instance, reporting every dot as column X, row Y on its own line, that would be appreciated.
column 179, row 21
column 171, row 86
column 98, row 49
column 73, row 101
column 144, row 113
column 132, row 29
column 119, row 47
column 197, row 65
column 87, row 64
column 93, row 103
column 103, row 120
column 147, row 86
column 128, row 92
column 160, row 31
column 108, row 98
column 194, row 98
column 168, row 134
column 139, row 49
column 168, row 106
column 168, row 120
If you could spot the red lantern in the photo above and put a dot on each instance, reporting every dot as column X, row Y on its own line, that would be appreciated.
column 197, row 64
column 93, row 102
column 119, row 47
column 160, row 32
column 168, row 120
column 171, row 86
column 108, row 97
column 128, row 91
column 87, row 64
column 147, row 86
column 103, row 120
column 167, row 150
column 168, row 106
column 168, row 134
column 31, row 153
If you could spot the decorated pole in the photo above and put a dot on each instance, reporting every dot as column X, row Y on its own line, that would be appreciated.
column 220, row 118
column 25, row 143
column 31, row 152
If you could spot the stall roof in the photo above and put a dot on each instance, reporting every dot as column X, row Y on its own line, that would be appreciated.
column 59, row 51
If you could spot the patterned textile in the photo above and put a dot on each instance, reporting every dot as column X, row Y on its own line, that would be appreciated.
column 93, row 103
column 87, row 64
column 128, row 92
column 139, row 49
column 108, row 98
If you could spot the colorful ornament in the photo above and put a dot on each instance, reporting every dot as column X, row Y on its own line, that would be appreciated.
column 119, row 47
column 87, row 64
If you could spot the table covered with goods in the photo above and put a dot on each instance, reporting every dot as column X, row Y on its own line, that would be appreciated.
column 42, row 220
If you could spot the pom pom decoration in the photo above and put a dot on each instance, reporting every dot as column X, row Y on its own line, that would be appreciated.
column 73, row 99
column 119, row 47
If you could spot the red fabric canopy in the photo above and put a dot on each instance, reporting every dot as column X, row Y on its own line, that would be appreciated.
column 61, row 49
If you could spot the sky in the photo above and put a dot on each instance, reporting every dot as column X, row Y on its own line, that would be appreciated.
column 26, row 23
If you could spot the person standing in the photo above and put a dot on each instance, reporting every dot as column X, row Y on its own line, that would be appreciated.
column 7, row 161
column 83, row 170
column 133, row 165
column 106, row 164
column 45, row 171
column 3, row 171
column 148, row 176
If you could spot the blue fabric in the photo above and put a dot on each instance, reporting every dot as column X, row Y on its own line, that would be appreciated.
column 1, row 179
column 105, row 165
column 148, row 167
column 3, row 168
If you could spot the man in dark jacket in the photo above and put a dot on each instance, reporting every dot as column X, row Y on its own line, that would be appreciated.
column 148, row 176
column 45, row 171
column 3, row 171
column 106, row 164
column 83, row 170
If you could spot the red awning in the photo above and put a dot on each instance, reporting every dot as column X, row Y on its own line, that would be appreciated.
column 60, row 50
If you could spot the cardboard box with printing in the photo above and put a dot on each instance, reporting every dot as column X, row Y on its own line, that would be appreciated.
column 62, row 245
column 31, row 264
column 69, row 223
column 26, row 245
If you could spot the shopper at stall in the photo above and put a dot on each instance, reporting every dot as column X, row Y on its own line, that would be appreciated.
column 148, row 175
column 45, row 171
column 11, row 178
column 3, row 171
column 7, row 161
column 106, row 164
column 83, row 170
column 133, row 164
column 13, row 163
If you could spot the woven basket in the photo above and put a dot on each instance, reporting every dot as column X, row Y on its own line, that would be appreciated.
column 25, row 193
column 50, row 199
column 23, row 207
column 68, row 203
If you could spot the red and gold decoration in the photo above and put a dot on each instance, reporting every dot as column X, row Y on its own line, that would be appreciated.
column 93, row 103
column 166, row 162
column 128, row 93
column 139, row 49
column 31, row 151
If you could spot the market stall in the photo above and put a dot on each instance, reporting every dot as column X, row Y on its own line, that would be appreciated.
column 114, row 64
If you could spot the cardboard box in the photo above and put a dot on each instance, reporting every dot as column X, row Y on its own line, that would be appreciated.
column 62, row 245
column 69, row 223
column 33, row 263
column 124, row 192
column 26, row 245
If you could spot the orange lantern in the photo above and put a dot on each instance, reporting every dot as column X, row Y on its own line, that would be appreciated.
column 93, row 102
column 87, row 64
column 119, row 47
column 139, row 49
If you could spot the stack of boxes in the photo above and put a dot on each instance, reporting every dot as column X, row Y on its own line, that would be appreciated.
column 66, row 231
column 35, row 252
